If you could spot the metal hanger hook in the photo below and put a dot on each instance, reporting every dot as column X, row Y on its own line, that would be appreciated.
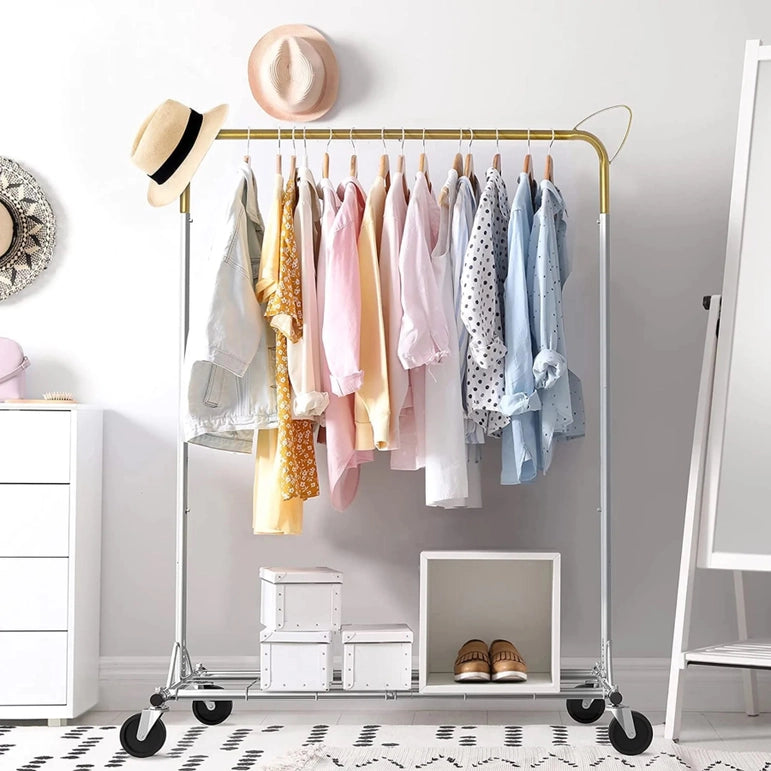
column 402, row 143
column 329, row 141
column 294, row 145
column 528, row 141
column 424, row 141
column 278, row 136
column 382, row 139
column 471, row 139
column 248, row 139
column 460, row 140
column 353, row 144
column 553, row 134
column 497, row 141
column 305, row 146
column 626, row 132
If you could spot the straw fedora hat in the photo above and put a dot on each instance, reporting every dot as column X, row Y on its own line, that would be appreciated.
column 27, row 228
column 170, row 146
column 293, row 73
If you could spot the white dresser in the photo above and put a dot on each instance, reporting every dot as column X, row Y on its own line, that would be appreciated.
column 50, row 548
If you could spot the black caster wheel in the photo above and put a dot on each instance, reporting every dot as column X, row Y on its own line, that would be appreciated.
column 642, row 739
column 149, row 745
column 219, row 714
column 581, row 714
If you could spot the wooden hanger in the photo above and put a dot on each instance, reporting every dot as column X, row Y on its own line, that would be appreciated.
column 497, row 156
column 468, row 164
column 400, row 169
column 527, row 166
column 247, row 157
column 292, row 158
column 457, row 161
column 383, row 169
column 548, row 172
column 354, row 168
column 325, row 159
column 423, row 161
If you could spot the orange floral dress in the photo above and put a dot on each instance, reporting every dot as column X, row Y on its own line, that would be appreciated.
column 297, row 457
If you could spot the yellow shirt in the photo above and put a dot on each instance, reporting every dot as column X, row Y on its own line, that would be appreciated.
column 372, row 401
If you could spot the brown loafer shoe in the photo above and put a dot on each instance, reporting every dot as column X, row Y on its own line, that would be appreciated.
column 505, row 662
column 472, row 663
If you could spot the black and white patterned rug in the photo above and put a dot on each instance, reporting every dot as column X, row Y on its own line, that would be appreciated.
column 372, row 747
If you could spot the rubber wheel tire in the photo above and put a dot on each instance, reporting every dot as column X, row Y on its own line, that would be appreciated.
column 219, row 714
column 581, row 714
column 151, row 743
column 642, row 739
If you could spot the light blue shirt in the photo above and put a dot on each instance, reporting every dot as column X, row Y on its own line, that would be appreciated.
column 520, row 400
column 548, row 267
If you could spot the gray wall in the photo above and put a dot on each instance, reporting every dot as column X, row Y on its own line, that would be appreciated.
column 79, row 78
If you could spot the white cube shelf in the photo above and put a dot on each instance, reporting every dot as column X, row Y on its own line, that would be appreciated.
column 377, row 657
column 301, row 599
column 489, row 595
column 295, row 661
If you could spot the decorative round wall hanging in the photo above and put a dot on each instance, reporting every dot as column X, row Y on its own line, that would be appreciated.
column 27, row 228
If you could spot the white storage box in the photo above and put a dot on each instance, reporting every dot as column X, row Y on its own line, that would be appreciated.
column 301, row 599
column 295, row 661
column 377, row 657
column 489, row 595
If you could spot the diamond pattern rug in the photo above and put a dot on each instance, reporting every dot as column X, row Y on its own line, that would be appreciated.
column 372, row 747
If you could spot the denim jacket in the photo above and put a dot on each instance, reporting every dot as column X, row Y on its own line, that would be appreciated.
column 229, row 372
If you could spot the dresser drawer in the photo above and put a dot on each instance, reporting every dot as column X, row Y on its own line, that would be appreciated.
column 34, row 446
column 33, row 593
column 34, row 520
column 33, row 668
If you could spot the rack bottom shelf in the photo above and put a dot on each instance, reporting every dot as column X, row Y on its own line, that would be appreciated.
column 443, row 683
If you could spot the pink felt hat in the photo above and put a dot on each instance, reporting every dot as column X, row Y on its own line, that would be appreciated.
column 293, row 73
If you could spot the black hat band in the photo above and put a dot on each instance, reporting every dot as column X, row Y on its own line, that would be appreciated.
column 181, row 151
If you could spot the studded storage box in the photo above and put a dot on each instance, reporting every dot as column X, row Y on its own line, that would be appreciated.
column 295, row 661
column 301, row 599
column 377, row 658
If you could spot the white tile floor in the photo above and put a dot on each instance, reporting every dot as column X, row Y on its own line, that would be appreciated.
column 712, row 730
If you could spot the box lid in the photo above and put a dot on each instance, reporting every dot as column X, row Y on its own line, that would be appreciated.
column 301, row 575
column 283, row 636
column 374, row 633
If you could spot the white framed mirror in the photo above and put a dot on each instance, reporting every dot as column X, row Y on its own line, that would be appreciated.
column 736, row 515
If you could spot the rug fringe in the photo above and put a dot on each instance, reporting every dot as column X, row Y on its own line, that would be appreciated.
column 296, row 760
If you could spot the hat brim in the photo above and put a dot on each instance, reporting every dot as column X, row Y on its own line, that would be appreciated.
column 331, row 72
column 172, row 188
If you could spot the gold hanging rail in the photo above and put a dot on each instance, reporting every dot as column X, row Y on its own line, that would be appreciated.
column 433, row 134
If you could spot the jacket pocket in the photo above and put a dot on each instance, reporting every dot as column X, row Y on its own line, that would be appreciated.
column 213, row 395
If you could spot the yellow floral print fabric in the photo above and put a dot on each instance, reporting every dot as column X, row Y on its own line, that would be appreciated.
column 297, row 457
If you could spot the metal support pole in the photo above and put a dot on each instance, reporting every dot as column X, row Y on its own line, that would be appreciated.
column 605, row 530
column 181, row 666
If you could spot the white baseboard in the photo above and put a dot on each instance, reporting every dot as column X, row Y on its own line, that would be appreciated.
column 126, row 683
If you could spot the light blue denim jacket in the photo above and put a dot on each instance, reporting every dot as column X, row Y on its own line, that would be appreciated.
column 520, row 400
column 229, row 371
column 548, row 267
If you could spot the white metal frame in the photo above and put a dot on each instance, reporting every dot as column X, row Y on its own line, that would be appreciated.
column 734, row 654
column 708, row 557
column 185, row 681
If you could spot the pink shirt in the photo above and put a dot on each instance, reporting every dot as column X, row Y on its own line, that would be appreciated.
column 340, row 434
column 341, row 321
column 424, row 338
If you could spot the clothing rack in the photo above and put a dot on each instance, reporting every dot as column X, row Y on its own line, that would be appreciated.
column 586, row 691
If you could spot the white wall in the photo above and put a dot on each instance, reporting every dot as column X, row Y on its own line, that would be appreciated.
column 79, row 77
